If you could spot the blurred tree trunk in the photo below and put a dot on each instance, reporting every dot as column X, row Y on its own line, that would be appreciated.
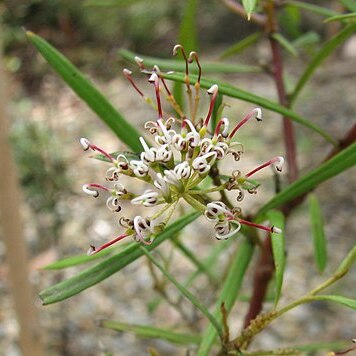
column 12, row 235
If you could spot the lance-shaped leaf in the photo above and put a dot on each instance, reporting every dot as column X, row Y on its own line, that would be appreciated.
column 276, row 218
column 249, row 6
column 151, row 332
column 349, row 4
column 179, row 65
column 321, row 10
column 347, row 262
column 343, row 17
column 105, row 269
column 339, row 163
column 233, row 92
column 317, row 224
column 241, row 45
column 348, row 302
column 327, row 49
column 87, row 92
column 188, row 32
column 230, row 289
column 285, row 43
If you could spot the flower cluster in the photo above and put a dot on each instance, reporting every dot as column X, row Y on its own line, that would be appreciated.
column 183, row 152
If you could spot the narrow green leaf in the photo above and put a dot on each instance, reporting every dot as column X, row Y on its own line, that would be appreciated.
column 195, row 261
column 241, row 45
column 231, row 91
column 317, row 224
column 111, row 3
column 348, row 302
column 216, row 111
column 111, row 265
column 321, row 346
column 343, row 17
column 129, row 155
column 79, row 259
column 179, row 65
column 349, row 4
column 327, row 49
column 249, row 6
column 306, row 39
column 151, row 332
column 185, row 292
column 347, row 262
column 87, row 92
column 285, row 43
column 229, row 292
column 276, row 218
column 321, row 10
column 339, row 163
column 188, row 36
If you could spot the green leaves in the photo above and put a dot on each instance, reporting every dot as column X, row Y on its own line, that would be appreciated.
column 87, row 92
column 231, row 91
column 348, row 302
column 327, row 49
column 249, row 6
column 339, row 163
column 276, row 218
column 230, row 289
column 111, row 265
column 317, row 224
column 188, row 36
column 241, row 45
column 151, row 332
column 285, row 43
column 343, row 17
column 347, row 262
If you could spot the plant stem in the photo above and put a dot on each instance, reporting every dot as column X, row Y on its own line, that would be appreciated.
column 262, row 276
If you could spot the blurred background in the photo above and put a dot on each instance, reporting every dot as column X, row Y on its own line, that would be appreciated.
column 47, row 119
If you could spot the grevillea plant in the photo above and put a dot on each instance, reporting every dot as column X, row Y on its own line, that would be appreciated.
column 178, row 163
column 185, row 153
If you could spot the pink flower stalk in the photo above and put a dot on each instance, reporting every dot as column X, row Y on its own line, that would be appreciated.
column 213, row 91
column 127, row 74
column 86, row 145
column 279, row 160
column 94, row 250
column 254, row 113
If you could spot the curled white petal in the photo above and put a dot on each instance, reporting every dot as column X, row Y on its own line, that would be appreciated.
column 139, row 168
column 215, row 209
column 126, row 71
column 85, row 143
column 223, row 234
column 280, row 162
column 202, row 165
column 153, row 78
column 90, row 190
column 113, row 204
column 213, row 89
column 162, row 185
column 276, row 230
column 172, row 178
column 148, row 198
column 138, row 60
column 143, row 227
column 182, row 170
column 258, row 114
column 164, row 154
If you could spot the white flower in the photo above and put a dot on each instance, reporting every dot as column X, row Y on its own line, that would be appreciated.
column 163, row 186
column 148, row 198
column 143, row 228
column 201, row 163
column 226, row 229
column 139, row 168
column 215, row 210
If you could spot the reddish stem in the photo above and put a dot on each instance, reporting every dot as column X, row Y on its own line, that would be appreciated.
column 95, row 250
